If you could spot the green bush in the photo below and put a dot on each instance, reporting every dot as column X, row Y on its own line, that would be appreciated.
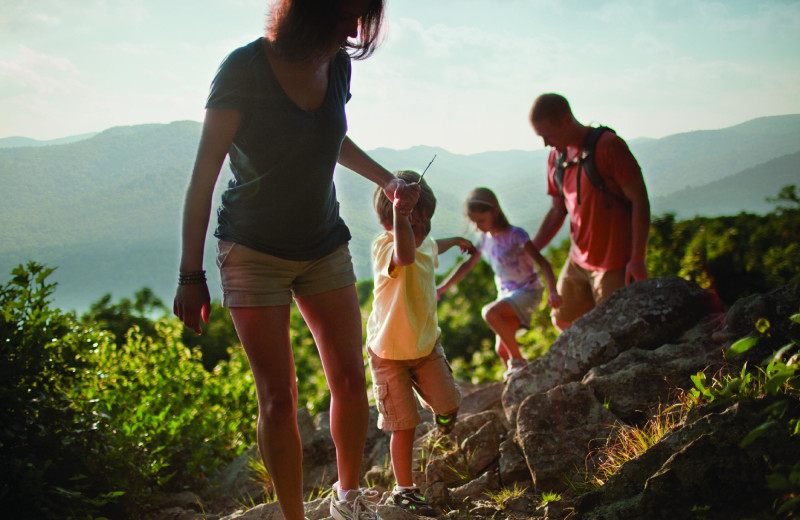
column 94, row 428
column 48, row 446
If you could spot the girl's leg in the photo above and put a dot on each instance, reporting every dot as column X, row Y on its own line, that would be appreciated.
column 264, row 333
column 335, row 322
column 504, row 322
column 502, row 351
column 401, row 448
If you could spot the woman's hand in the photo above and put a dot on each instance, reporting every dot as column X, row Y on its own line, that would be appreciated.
column 404, row 196
column 554, row 300
column 192, row 303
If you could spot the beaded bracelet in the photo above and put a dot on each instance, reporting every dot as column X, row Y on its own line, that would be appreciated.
column 191, row 277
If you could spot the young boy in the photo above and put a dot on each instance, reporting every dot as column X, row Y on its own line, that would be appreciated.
column 405, row 355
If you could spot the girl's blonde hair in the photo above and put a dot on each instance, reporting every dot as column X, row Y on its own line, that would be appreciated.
column 481, row 200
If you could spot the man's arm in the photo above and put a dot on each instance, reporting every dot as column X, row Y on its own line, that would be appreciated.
column 553, row 298
column 636, row 192
column 551, row 223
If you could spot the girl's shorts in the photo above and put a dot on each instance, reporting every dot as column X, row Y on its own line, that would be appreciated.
column 524, row 302
column 250, row 278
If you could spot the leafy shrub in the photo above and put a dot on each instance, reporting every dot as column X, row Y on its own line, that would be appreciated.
column 48, row 446
column 91, row 427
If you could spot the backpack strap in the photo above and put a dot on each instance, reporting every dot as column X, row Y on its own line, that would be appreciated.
column 586, row 162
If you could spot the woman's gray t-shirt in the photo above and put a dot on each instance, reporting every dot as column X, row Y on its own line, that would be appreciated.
column 281, row 200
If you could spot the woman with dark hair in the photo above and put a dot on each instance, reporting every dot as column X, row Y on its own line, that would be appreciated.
column 277, row 110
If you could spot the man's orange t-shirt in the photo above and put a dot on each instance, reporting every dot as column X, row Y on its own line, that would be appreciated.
column 600, row 226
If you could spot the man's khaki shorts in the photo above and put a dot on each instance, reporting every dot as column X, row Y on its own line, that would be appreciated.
column 582, row 289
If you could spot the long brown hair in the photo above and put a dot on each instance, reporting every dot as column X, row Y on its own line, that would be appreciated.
column 301, row 29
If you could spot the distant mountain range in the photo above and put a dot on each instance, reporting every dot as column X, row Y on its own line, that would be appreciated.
column 105, row 208
column 16, row 141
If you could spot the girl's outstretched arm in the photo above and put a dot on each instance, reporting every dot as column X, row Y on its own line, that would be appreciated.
column 553, row 298
column 443, row 244
column 463, row 267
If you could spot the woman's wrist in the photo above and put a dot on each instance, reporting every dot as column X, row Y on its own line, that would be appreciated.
column 191, row 277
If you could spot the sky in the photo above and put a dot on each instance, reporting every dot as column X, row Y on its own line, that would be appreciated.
column 457, row 74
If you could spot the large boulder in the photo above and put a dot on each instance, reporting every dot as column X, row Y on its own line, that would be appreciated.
column 643, row 315
column 700, row 468
column 555, row 428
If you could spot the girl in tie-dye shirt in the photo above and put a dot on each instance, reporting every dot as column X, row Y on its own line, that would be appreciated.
column 511, row 254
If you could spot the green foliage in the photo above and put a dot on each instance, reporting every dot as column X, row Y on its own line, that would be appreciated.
column 780, row 379
column 119, row 318
column 91, row 427
column 507, row 493
column 463, row 330
column 46, row 441
column 735, row 256
column 218, row 337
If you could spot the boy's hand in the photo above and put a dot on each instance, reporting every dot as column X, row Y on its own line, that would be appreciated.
column 554, row 300
column 404, row 196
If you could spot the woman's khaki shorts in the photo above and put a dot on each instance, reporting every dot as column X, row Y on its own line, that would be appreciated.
column 250, row 278
column 396, row 381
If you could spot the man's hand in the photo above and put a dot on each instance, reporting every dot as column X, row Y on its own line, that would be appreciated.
column 635, row 271
column 554, row 300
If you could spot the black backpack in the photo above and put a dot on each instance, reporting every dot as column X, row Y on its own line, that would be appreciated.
column 585, row 162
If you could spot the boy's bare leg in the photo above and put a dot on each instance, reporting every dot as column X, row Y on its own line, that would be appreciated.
column 401, row 448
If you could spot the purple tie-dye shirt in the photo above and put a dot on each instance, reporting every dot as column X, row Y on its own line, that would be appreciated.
column 513, row 267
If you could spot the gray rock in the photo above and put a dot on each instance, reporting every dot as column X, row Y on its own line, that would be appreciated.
column 513, row 467
column 271, row 511
column 483, row 447
column 643, row 315
column 555, row 429
column 476, row 488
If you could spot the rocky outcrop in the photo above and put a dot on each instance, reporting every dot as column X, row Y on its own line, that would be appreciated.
column 541, row 431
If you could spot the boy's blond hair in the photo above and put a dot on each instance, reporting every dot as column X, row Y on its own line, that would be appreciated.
column 426, row 203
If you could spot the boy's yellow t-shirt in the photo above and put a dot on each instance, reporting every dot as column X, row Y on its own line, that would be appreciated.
column 403, row 322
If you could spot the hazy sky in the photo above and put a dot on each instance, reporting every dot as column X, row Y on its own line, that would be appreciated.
column 460, row 74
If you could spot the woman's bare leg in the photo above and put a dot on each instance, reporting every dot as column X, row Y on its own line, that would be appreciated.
column 264, row 333
column 335, row 322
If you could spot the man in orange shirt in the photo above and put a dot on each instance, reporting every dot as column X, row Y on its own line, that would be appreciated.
column 608, row 228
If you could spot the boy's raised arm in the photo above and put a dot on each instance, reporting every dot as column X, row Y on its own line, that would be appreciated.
column 405, row 248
